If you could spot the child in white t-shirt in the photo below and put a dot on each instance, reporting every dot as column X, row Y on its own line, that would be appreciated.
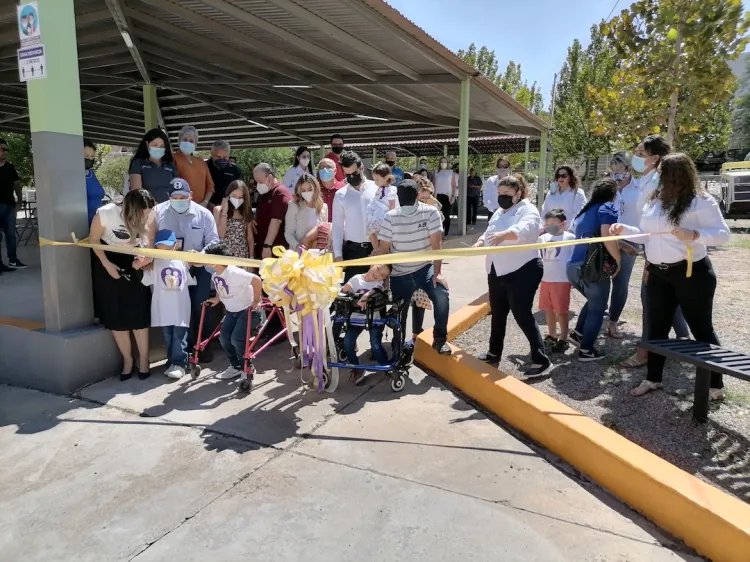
column 170, row 303
column 385, row 199
column 364, row 285
column 554, row 292
column 239, row 291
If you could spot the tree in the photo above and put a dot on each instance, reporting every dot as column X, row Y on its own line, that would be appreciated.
column 672, row 70
column 20, row 155
column 741, row 113
column 511, row 81
column 112, row 173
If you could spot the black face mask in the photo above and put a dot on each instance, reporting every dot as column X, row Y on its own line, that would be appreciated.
column 88, row 163
column 337, row 149
column 505, row 201
column 354, row 179
column 391, row 163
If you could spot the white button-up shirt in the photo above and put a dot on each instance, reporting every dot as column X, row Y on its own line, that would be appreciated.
column 571, row 201
column 703, row 215
column 627, row 204
column 490, row 193
column 523, row 219
column 349, row 212
column 646, row 186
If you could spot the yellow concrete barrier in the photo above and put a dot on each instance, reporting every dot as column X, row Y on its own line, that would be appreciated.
column 712, row 522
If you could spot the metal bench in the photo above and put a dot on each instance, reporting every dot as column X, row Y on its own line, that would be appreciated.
column 706, row 358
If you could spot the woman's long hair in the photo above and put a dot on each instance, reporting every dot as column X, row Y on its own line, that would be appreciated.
column 142, row 150
column 317, row 200
column 133, row 205
column 300, row 151
column 678, row 185
column 603, row 191
column 246, row 209
column 517, row 182
column 573, row 180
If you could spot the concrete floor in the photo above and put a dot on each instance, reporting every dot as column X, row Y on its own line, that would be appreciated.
column 163, row 471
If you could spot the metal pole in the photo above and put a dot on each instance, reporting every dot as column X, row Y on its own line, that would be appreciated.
column 150, row 107
column 463, row 154
column 526, row 159
column 374, row 156
column 445, row 150
column 542, row 177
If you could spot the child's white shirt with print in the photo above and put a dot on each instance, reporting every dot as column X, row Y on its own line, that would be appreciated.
column 170, row 301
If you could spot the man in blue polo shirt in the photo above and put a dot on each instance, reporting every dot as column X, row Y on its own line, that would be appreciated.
column 222, row 170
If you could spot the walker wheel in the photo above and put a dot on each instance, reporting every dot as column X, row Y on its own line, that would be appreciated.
column 246, row 385
column 341, row 354
column 297, row 362
column 398, row 382
column 326, row 379
column 195, row 371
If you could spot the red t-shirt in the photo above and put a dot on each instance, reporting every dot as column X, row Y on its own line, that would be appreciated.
column 271, row 205
column 328, row 195
column 340, row 175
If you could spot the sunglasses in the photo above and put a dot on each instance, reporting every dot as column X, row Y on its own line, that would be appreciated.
column 561, row 176
column 337, row 146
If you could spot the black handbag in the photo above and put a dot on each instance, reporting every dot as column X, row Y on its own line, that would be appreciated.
column 599, row 264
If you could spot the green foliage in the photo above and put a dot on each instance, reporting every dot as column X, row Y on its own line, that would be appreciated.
column 20, row 156
column 280, row 158
column 511, row 81
column 741, row 113
column 672, row 69
column 112, row 173
column 711, row 131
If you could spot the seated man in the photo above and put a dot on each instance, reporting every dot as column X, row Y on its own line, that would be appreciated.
column 416, row 227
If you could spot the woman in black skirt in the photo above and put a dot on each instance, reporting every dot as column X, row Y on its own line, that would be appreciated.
column 122, row 302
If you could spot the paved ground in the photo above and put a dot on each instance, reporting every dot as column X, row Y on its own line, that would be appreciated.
column 159, row 471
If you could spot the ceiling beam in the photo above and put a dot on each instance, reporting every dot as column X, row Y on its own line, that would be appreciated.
column 98, row 36
column 344, row 80
column 103, row 51
column 303, row 44
column 102, row 62
column 92, row 17
column 94, row 79
column 196, row 61
column 342, row 36
column 259, row 48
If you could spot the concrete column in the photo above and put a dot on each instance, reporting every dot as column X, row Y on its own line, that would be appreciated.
column 445, row 150
column 463, row 154
column 541, row 181
column 56, row 135
column 374, row 156
column 526, row 158
column 150, row 107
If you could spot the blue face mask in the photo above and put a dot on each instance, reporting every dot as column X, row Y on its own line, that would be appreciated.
column 638, row 163
column 156, row 152
column 210, row 269
column 180, row 205
column 187, row 147
column 221, row 162
column 326, row 174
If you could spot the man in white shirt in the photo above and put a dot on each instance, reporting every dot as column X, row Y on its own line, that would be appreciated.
column 348, row 230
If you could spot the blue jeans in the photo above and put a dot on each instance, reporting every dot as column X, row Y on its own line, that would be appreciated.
column 198, row 295
column 233, row 337
column 404, row 286
column 591, row 317
column 8, row 227
column 679, row 324
column 620, row 286
column 175, row 340
column 376, row 344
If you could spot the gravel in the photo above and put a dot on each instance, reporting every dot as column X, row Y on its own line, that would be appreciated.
column 718, row 451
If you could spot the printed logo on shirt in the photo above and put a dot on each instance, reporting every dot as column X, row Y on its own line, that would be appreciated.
column 222, row 289
column 422, row 225
column 551, row 254
column 172, row 278
column 121, row 234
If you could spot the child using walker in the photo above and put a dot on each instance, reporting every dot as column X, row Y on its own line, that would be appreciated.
column 239, row 291
column 364, row 285
column 170, row 303
column 385, row 200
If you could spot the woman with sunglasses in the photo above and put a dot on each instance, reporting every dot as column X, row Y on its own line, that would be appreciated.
column 490, row 187
column 565, row 194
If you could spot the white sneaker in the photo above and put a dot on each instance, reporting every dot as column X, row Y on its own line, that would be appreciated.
column 169, row 371
column 175, row 372
column 228, row 374
column 716, row 393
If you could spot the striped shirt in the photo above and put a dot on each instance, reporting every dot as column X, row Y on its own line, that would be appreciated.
column 410, row 233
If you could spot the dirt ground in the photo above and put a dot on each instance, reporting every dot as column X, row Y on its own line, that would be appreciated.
column 718, row 451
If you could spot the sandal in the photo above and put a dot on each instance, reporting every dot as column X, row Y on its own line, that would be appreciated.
column 613, row 331
column 634, row 362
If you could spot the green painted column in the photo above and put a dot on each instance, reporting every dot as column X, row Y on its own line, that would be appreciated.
column 150, row 107
column 542, row 178
column 56, row 135
column 463, row 154
column 526, row 158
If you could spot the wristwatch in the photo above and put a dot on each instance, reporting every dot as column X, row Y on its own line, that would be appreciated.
column 267, row 246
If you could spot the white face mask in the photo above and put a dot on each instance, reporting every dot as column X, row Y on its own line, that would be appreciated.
column 307, row 196
column 236, row 202
column 262, row 188
column 304, row 161
column 444, row 165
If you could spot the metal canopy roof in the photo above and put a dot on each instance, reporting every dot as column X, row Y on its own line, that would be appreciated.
column 265, row 73
column 497, row 144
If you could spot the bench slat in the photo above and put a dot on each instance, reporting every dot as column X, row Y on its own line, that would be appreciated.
column 703, row 356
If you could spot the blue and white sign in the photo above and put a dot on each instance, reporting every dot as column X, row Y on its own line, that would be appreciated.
column 32, row 63
column 29, row 31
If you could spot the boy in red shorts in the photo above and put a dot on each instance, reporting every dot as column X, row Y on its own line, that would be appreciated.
column 554, row 292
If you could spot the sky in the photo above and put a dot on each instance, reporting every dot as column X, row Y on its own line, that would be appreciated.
column 534, row 33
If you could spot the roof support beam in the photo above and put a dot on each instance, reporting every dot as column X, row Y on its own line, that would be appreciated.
column 340, row 35
column 246, row 115
column 94, row 79
column 299, row 42
column 92, row 17
column 258, row 47
column 102, row 62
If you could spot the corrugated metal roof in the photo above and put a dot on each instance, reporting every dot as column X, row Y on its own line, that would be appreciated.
column 359, row 68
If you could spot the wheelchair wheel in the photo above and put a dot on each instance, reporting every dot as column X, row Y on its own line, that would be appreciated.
column 195, row 371
column 398, row 381
column 246, row 385
column 326, row 379
column 341, row 355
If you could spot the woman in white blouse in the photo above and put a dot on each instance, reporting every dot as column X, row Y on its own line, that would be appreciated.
column 446, row 187
column 301, row 166
column 565, row 194
column 681, row 207
column 305, row 212
column 514, row 277
column 502, row 167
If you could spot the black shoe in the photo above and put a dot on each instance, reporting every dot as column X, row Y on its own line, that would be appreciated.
column 144, row 376
column 357, row 377
column 17, row 264
column 560, row 346
column 537, row 369
column 125, row 376
column 4, row 268
column 588, row 355
column 441, row 347
column 550, row 341
column 575, row 338
column 489, row 358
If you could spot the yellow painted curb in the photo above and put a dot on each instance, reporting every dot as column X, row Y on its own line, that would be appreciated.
column 20, row 323
column 712, row 522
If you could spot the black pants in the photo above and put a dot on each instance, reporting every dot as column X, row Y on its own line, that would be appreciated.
column 445, row 201
column 514, row 292
column 353, row 251
column 669, row 288
column 472, row 208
